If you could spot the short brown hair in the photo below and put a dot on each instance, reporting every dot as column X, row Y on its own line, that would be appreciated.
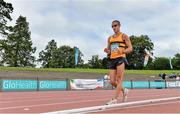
column 117, row 22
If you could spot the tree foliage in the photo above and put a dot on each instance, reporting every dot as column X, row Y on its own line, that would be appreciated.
column 5, row 10
column 17, row 50
column 136, row 58
column 62, row 57
column 161, row 63
column 176, row 61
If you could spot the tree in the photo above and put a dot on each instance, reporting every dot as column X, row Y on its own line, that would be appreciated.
column 176, row 61
column 66, row 57
column 105, row 62
column 5, row 10
column 95, row 62
column 62, row 57
column 161, row 63
column 17, row 48
column 150, row 65
column 47, row 56
column 136, row 58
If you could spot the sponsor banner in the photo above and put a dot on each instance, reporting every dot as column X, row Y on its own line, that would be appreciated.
column 52, row 85
column 107, row 84
column 175, row 84
column 158, row 84
column 86, row 83
column 18, row 85
column 140, row 84
column 32, row 85
column 127, row 84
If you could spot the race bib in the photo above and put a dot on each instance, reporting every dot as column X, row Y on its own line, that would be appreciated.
column 114, row 47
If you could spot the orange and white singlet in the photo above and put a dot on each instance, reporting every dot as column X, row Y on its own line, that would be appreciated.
column 115, row 44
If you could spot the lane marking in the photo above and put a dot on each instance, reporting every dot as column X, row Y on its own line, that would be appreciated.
column 59, row 92
column 144, row 105
column 47, row 104
column 26, row 109
column 94, row 108
column 49, row 98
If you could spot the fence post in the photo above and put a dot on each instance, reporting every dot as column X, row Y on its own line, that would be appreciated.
column 1, row 84
column 103, row 84
column 149, row 84
column 37, row 83
column 68, row 87
column 165, row 84
column 131, row 84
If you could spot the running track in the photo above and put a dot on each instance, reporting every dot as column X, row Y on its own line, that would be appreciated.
column 48, row 101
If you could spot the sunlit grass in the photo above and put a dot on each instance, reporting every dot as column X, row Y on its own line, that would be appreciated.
column 86, row 70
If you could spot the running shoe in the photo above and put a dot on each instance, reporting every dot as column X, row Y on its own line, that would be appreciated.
column 125, row 93
column 112, row 101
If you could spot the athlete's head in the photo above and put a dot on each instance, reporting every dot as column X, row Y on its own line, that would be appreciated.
column 116, row 26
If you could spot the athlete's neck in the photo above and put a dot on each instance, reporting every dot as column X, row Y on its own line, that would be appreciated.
column 117, row 33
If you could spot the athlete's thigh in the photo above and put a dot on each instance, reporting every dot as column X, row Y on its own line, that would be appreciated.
column 120, row 71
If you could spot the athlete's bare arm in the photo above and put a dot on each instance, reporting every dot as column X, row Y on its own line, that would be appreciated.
column 107, row 50
column 128, row 44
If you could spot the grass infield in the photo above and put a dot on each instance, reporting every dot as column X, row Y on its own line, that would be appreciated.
column 79, row 70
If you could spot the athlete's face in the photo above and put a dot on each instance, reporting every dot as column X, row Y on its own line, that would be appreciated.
column 115, row 27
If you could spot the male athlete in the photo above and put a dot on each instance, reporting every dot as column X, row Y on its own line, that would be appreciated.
column 118, row 46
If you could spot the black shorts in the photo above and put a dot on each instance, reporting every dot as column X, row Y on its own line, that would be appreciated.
column 118, row 61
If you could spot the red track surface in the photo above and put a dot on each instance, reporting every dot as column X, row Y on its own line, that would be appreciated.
column 38, row 102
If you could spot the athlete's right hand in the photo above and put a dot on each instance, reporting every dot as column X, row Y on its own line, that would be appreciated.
column 107, row 50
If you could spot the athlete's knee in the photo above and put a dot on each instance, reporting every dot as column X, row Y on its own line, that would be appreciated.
column 120, row 86
column 119, row 82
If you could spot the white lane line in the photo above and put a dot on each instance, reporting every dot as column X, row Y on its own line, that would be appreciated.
column 90, row 109
column 144, row 105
